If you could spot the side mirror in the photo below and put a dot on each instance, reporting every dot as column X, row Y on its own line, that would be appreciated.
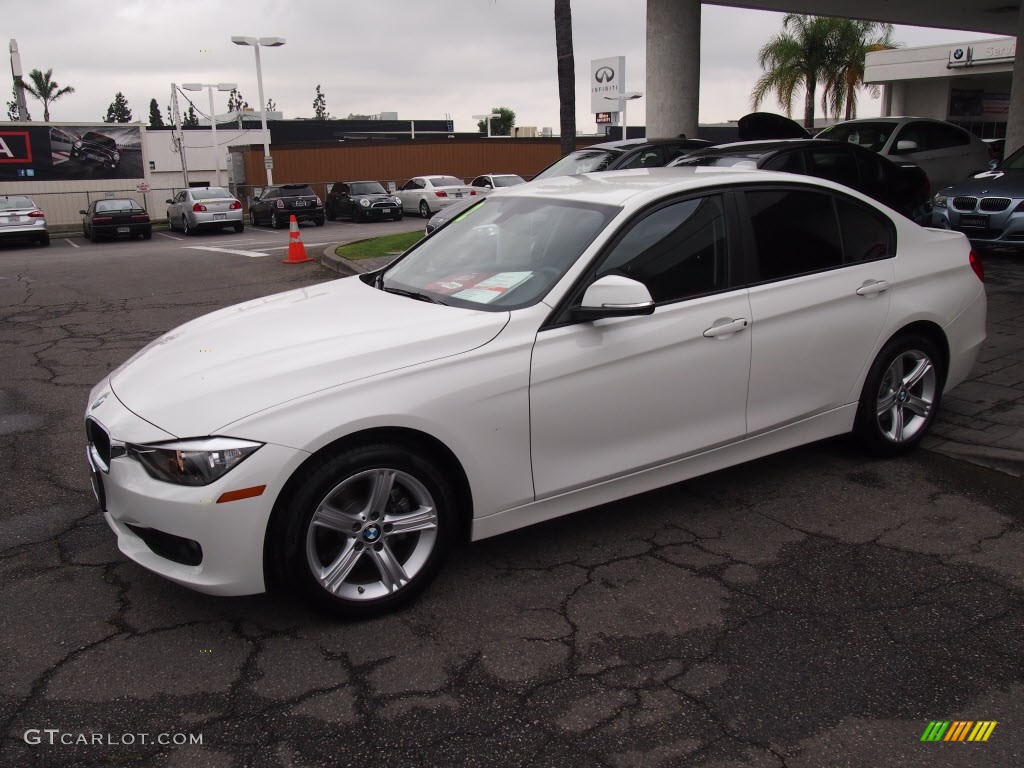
column 614, row 296
column 168, row 200
column 906, row 146
column 83, row 213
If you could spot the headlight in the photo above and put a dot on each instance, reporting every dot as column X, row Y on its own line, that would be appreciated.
column 364, row 202
column 397, row 199
column 939, row 201
column 192, row 462
column 117, row 157
column 78, row 145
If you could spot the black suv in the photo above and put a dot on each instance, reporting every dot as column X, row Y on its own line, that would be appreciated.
column 96, row 148
column 615, row 155
column 278, row 204
column 361, row 200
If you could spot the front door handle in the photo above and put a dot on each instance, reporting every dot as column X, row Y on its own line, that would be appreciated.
column 726, row 326
column 872, row 287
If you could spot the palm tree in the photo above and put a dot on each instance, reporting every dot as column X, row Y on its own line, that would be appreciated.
column 46, row 89
column 853, row 41
column 566, row 75
column 799, row 56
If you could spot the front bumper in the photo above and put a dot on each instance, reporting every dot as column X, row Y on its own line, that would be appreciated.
column 1003, row 229
column 146, row 513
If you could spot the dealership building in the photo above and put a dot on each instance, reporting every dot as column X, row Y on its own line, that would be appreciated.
column 967, row 83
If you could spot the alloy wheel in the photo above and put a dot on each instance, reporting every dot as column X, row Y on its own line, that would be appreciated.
column 906, row 396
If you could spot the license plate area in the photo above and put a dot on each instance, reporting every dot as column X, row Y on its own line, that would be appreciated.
column 301, row 203
column 219, row 216
column 974, row 221
column 124, row 230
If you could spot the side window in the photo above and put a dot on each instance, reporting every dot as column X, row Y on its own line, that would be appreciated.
column 342, row 189
column 787, row 162
column 867, row 234
column 931, row 136
column 651, row 157
column 410, row 184
column 479, row 181
column 678, row 251
column 795, row 232
column 835, row 165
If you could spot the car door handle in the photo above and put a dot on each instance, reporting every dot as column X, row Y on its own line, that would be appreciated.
column 725, row 327
column 872, row 287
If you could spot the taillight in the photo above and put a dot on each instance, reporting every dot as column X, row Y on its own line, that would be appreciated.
column 441, row 194
column 977, row 266
column 36, row 214
column 280, row 203
column 140, row 217
column 198, row 208
column 472, row 193
column 235, row 205
column 102, row 219
column 318, row 202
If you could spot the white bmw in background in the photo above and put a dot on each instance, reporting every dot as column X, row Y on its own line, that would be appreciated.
column 426, row 195
column 564, row 344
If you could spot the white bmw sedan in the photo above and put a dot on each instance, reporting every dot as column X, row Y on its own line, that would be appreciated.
column 426, row 195
column 561, row 345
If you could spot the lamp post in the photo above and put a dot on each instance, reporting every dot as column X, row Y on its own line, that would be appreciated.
column 622, row 98
column 213, row 115
column 488, row 118
column 266, row 42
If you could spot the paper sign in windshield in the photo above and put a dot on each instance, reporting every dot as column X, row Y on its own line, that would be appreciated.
column 490, row 289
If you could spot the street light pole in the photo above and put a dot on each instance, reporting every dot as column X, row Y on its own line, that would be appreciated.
column 622, row 98
column 213, row 115
column 268, row 42
column 488, row 118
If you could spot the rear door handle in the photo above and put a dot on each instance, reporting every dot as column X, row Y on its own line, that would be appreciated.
column 872, row 287
column 726, row 326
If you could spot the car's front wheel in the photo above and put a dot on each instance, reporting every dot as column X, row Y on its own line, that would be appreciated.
column 252, row 217
column 901, row 395
column 365, row 530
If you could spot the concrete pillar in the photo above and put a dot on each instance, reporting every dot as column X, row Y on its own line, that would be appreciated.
column 1015, row 120
column 673, row 67
column 898, row 99
column 886, row 99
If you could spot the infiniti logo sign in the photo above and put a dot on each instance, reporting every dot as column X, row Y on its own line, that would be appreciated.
column 604, row 75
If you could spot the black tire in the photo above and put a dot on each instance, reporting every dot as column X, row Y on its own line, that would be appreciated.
column 93, row 237
column 147, row 235
column 889, row 418
column 331, row 214
column 295, row 546
column 424, row 209
column 397, row 218
column 185, row 228
column 44, row 239
column 239, row 226
column 275, row 222
column 357, row 215
column 252, row 217
column 319, row 221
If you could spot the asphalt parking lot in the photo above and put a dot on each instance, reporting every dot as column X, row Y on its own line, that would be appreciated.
column 815, row 608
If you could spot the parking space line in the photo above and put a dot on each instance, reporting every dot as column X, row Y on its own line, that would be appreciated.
column 250, row 254
column 172, row 237
column 72, row 244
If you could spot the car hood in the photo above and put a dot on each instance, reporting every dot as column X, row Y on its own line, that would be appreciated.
column 997, row 182
column 242, row 359
column 373, row 196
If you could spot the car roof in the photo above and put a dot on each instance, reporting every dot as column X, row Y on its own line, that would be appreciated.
column 634, row 143
column 617, row 187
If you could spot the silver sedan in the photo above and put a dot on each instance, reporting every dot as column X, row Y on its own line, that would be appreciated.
column 204, row 208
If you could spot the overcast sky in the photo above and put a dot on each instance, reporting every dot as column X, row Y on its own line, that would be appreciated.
column 419, row 59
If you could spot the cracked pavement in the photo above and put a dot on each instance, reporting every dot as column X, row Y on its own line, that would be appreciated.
column 813, row 608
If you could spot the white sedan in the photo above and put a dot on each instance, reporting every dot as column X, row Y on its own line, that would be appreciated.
column 426, row 195
column 561, row 345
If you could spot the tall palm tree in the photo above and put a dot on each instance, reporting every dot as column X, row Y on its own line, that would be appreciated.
column 853, row 41
column 44, row 88
column 566, row 75
column 799, row 56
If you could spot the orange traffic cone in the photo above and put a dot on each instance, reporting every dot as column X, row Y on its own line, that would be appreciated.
column 296, row 250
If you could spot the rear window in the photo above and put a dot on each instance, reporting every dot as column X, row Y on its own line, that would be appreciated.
column 713, row 160
column 507, row 181
column 106, row 206
column 580, row 161
column 867, row 134
column 213, row 193
column 296, row 190
column 12, row 203
column 446, row 181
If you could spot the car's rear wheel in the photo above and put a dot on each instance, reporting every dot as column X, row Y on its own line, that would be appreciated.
column 366, row 529
column 185, row 229
column 319, row 221
column 424, row 209
column 275, row 221
column 147, row 235
column 901, row 394
column 93, row 237
column 239, row 226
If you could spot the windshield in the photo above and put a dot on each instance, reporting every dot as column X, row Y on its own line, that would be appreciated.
column 712, row 160
column 504, row 253
column 10, row 203
column 446, row 181
column 580, row 161
column 99, row 138
column 867, row 134
column 508, row 181
column 367, row 188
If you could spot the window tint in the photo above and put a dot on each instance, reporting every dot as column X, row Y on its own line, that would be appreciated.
column 446, row 181
column 479, row 181
column 106, row 206
column 867, row 234
column 787, row 162
column 931, row 136
column 872, row 172
column 677, row 251
column 295, row 190
column 866, row 134
column 651, row 157
column 835, row 165
column 795, row 232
